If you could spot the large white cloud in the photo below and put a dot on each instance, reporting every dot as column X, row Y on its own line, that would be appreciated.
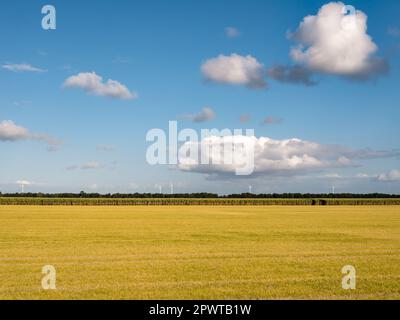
column 273, row 157
column 93, row 84
column 335, row 41
column 9, row 131
column 393, row 175
column 236, row 70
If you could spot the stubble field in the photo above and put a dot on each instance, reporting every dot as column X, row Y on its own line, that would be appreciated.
column 200, row 252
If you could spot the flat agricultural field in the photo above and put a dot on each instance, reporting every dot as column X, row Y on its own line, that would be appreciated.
column 200, row 252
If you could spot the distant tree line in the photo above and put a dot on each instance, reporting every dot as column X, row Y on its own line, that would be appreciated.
column 313, row 195
column 201, row 195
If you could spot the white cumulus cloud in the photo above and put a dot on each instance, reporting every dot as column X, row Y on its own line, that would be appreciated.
column 393, row 175
column 9, row 131
column 93, row 84
column 271, row 157
column 236, row 70
column 335, row 41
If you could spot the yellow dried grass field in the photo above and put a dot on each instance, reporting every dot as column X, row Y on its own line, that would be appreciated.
column 200, row 252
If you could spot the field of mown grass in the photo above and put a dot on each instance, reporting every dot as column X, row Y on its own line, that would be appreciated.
column 200, row 252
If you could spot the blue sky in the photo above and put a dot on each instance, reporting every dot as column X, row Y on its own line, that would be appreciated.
column 156, row 49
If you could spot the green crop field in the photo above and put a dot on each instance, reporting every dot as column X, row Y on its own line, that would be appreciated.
column 200, row 252
column 33, row 201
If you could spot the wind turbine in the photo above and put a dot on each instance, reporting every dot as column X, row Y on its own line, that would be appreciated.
column 159, row 186
column 22, row 184
column 333, row 189
column 250, row 188
column 172, row 188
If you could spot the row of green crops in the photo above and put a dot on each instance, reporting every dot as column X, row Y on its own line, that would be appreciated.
column 212, row 202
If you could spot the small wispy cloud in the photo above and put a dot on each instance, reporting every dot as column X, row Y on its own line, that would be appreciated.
column 11, row 132
column 106, row 147
column 207, row 114
column 133, row 185
column 91, row 165
column 72, row 167
column 244, row 118
column 393, row 31
column 23, row 67
column 22, row 103
column 363, row 175
column 392, row 176
column 271, row 120
column 121, row 60
column 235, row 70
column 232, row 32
column 92, row 83
column 93, row 186
column 41, row 53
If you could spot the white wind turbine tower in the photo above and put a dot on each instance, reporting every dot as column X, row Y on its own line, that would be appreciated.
column 159, row 186
column 22, row 184
column 172, row 188
column 250, row 188
column 333, row 189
